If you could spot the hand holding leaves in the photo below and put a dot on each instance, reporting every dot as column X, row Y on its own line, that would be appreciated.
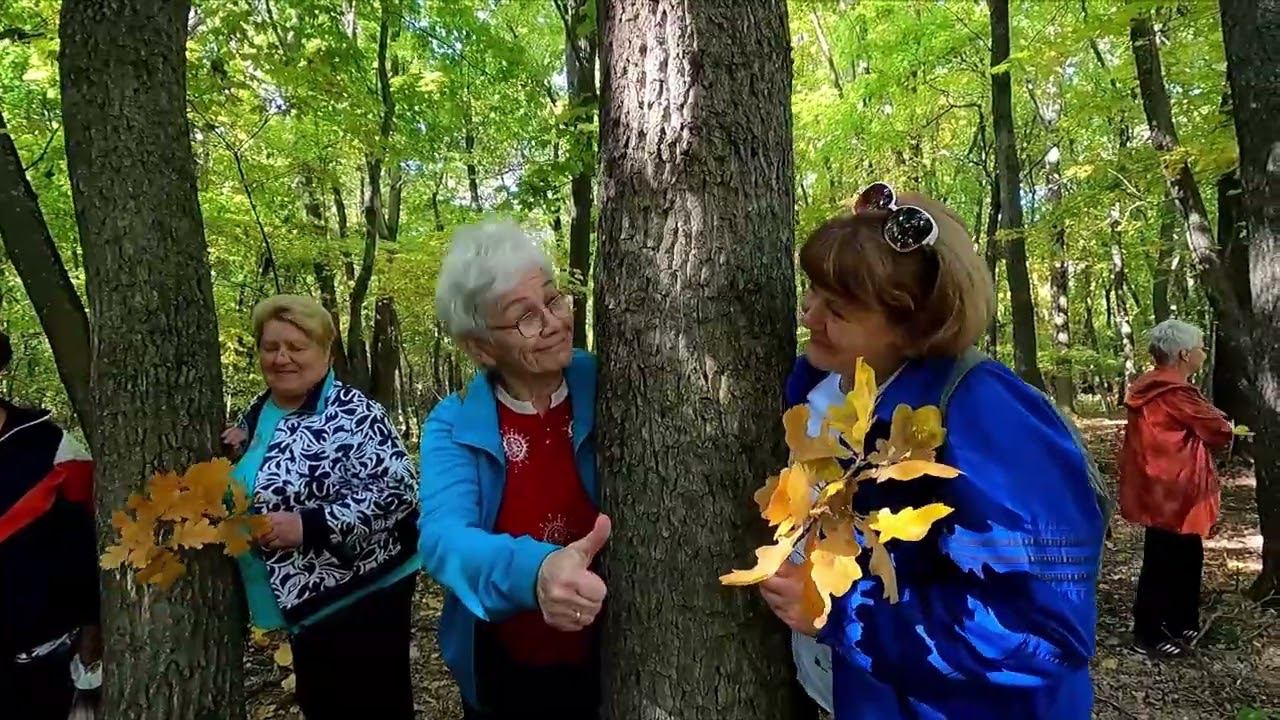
column 811, row 503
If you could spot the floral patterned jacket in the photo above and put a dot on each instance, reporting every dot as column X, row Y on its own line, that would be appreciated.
column 338, row 462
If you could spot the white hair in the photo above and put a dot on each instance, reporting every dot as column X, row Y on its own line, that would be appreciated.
column 1171, row 337
column 484, row 261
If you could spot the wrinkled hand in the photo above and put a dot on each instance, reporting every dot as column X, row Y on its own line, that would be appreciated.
column 784, row 593
column 569, row 594
column 285, row 531
column 235, row 438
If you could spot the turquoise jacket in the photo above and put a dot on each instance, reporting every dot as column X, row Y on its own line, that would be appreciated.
column 486, row 576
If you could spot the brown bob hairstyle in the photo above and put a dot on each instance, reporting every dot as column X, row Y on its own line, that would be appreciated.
column 940, row 296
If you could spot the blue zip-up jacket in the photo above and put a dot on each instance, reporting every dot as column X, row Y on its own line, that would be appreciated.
column 486, row 576
column 996, row 617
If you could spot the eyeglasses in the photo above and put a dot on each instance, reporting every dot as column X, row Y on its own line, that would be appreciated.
column 906, row 227
column 532, row 323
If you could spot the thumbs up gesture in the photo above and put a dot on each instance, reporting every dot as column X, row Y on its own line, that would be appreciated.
column 569, row 594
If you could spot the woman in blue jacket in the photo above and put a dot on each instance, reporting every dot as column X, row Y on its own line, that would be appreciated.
column 996, row 612
column 509, row 523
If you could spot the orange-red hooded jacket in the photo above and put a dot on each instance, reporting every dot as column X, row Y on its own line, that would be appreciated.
column 1167, row 478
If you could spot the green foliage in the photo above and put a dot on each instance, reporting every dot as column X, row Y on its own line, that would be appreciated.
column 286, row 111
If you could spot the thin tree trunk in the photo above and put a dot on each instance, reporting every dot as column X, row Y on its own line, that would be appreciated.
column 994, row 253
column 31, row 249
column 1182, row 182
column 325, row 281
column 386, row 353
column 692, row 359
column 435, row 204
column 1124, row 321
column 473, row 175
column 580, row 70
column 1021, row 302
column 1160, row 309
column 156, row 379
column 1251, row 34
column 825, row 47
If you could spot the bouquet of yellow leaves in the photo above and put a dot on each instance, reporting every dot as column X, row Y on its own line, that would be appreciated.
column 204, row 506
column 810, row 503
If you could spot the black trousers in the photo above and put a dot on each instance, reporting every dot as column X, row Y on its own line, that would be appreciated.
column 355, row 663
column 518, row 692
column 37, row 690
column 1168, row 599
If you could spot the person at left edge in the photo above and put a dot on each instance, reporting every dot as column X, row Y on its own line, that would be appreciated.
column 48, row 562
column 510, row 525
column 338, row 565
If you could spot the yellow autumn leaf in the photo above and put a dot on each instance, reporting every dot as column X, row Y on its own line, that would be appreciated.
column 805, row 448
column 792, row 498
column 912, row 469
column 813, row 603
column 852, row 418
column 881, row 564
column 826, row 471
column 289, row 684
column 764, row 496
column 236, row 533
column 768, row 559
column 113, row 557
column 194, row 534
column 834, row 568
column 259, row 637
column 283, row 655
column 209, row 482
column 909, row 524
column 163, row 570
column 913, row 435
column 164, row 490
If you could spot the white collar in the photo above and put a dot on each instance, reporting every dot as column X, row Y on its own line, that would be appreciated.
column 526, row 408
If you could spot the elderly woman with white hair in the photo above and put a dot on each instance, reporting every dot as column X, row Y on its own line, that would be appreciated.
column 509, row 524
column 1168, row 484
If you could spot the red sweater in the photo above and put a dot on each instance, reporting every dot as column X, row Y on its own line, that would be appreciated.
column 1167, row 478
column 543, row 499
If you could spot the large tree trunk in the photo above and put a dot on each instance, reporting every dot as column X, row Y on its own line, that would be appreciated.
column 157, row 384
column 1251, row 31
column 1182, row 182
column 695, row 326
column 34, row 255
column 1010, row 172
column 581, row 40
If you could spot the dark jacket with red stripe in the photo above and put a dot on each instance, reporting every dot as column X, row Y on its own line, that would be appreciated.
column 48, row 545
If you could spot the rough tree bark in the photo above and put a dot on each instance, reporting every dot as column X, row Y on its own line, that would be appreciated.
column 1021, row 303
column 157, row 384
column 580, row 51
column 34, row 255
column 1251, row 32
column 993, row 254
column 695, row 325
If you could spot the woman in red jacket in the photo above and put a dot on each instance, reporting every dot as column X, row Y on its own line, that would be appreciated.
column 1168, row 484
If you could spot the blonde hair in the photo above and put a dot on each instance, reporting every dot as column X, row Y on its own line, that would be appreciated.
column 299, row 311
column 940, row 296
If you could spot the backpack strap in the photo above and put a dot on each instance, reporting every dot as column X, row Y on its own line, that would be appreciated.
column 971, row 358
column 968, row 360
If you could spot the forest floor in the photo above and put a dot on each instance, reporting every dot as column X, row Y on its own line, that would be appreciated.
column 1235, row 673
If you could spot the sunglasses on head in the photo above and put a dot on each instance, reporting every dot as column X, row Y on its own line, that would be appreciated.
column 906, row 227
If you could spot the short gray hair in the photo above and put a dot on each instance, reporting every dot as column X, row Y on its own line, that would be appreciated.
column 484, row 261
column 1171, row 337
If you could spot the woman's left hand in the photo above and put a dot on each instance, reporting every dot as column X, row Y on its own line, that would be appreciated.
column 285, row 531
